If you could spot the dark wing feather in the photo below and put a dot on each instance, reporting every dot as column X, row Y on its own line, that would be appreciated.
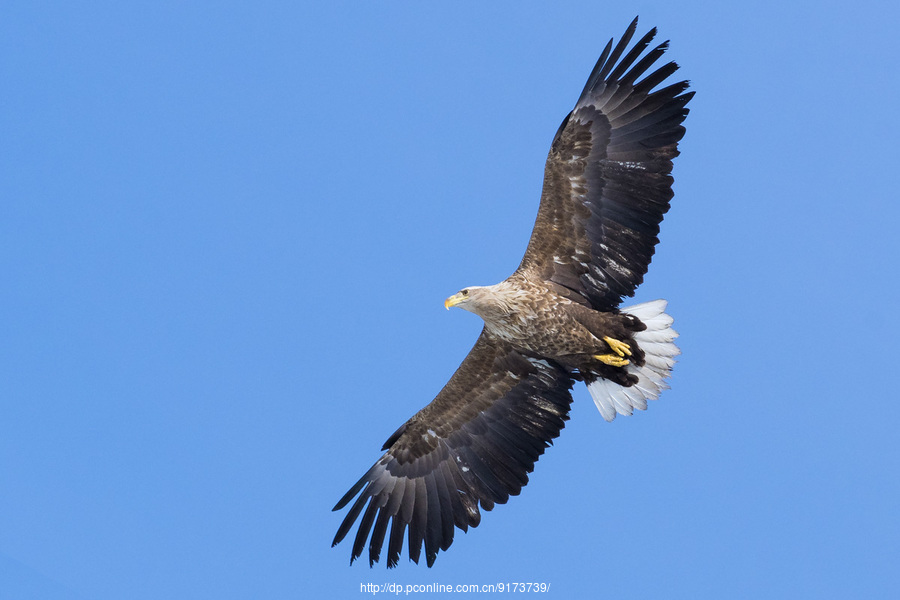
column 474, row 444
column 607, row 180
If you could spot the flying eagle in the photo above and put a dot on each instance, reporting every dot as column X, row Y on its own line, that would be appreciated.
column 607, row 185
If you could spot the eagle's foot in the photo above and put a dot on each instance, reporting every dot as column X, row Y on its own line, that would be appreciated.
column 620, row 348
column 612, row 359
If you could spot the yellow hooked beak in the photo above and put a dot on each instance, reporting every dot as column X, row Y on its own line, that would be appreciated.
column 454, row 300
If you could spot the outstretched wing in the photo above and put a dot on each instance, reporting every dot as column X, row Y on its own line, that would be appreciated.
column 607, row 180
column 474, row 444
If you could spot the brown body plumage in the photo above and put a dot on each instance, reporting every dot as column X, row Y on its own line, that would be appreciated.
column 557, row 319
column 535, row 320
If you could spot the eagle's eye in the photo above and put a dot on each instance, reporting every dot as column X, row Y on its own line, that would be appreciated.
column 465, row 292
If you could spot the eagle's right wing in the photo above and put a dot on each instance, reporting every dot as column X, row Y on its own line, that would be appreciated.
column 474, row 444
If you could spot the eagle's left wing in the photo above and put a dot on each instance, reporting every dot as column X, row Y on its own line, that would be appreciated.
column 475, row 443
column 607, row 181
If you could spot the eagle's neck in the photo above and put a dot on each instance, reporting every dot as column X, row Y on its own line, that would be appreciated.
column 508, row 309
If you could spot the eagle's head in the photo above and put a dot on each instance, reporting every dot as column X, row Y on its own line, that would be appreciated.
column 485, row 301
column 463, row 298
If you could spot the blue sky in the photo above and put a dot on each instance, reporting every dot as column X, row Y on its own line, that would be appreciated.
column 228, row 231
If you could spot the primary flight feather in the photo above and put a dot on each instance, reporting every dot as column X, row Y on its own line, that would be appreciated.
column 554, row 321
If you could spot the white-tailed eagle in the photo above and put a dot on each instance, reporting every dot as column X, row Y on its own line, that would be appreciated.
column 554, row 321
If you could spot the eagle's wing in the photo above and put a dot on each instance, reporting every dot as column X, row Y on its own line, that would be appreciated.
column 606, row 181
column 474, row 444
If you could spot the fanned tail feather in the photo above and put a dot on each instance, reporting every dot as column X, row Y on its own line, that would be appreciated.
column 657, row 342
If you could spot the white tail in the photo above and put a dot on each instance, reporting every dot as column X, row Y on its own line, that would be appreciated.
column 659, row 349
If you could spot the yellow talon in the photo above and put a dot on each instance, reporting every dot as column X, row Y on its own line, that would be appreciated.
column 612, row 360
column 620, row 348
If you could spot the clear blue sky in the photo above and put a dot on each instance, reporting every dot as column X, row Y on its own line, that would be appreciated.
column 228, row 230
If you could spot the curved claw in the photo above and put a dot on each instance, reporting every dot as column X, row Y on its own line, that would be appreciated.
column 612, row 360
column 620, row 348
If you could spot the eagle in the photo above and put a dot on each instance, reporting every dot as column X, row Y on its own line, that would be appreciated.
column 556, row 320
